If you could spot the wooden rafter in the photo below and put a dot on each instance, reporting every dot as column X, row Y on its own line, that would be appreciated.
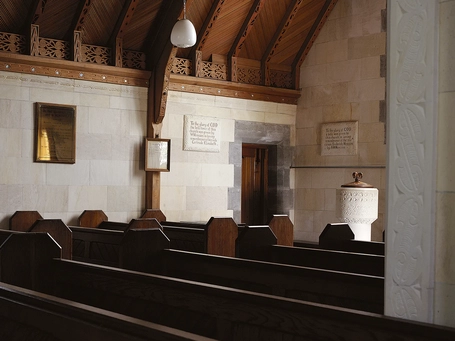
column 279, row 33
column 79, row 18
column 36, row 9
column 123, row 21
column 208, row 24
column 314, row 32
column 311, row 37
column 246, row 28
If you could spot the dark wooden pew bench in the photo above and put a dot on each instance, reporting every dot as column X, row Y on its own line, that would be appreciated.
column 215, row 311
column 216, row 237
column 30, row 315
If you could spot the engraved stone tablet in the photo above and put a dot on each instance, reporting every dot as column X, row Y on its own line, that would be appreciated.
column 201, row 133
column 339, row 138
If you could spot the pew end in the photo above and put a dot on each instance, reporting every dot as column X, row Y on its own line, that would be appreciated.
column 23, row 220
column 91, row 218
column 154, row 213
column 283, row 228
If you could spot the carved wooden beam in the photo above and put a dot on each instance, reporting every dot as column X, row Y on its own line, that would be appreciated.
column 77, row 46
column 160, row 57
column 246, row 28
column 241, row 37
column 279, row 33
column 207, row 25
column 36, row 8
column 311, row 37
column 79, row 18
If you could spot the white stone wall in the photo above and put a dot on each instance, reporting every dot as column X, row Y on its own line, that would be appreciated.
column 445, row 188
column 197, row 186
column 341, row 81
column 108, row 173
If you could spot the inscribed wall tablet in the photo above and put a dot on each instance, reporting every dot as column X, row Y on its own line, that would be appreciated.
column 201, row 133
column 339, row 138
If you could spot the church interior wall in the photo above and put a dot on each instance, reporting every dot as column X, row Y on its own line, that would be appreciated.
column 342, row 79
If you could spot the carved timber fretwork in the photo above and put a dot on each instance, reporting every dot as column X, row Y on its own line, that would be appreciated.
column 34, row 40
column 54, row 48
column 248, row 75
column 77, row 46
column 14, row 43
column 96, row 54
column 214, row 71
column 281, row 79
column 181, row 66
column 134, row 59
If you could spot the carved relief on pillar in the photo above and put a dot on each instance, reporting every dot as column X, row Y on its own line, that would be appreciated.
column 408, row 288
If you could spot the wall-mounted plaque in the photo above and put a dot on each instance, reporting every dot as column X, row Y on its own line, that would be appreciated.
column 339, row 138
column 157, row 155
column 201, row 133
column 55, row 133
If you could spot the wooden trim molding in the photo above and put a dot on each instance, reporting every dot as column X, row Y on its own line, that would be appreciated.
column 229, row 89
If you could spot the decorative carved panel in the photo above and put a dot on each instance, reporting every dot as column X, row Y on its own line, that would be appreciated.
column 214, row 71
column 96, row 54
column 248, row 75
column 134, row 59
column 410, row 226
column 54, row 48
column 182, row 66
column 281, row 79
column 12, row 43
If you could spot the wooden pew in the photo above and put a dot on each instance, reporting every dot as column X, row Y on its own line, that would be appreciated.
column 338, row 236
column 23, row 220
column 259, row 243
column 219, row 312
column 128, row 249
column 31, row 315
column 91, row 218
column 216, row 237
column 340, row 289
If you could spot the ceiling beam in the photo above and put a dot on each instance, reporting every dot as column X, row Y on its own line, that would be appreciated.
column 246, row 28
column 123, row 21
column 291, row 11
column 310, row 39
column 207, row 25
column 36, row 8
column 79, row 18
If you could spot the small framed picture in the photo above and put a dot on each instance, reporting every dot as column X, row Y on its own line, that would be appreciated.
column 157, row 155
column 55, row 133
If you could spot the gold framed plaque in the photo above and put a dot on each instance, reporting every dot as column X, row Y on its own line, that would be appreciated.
column 157, row 155
column 55, row 133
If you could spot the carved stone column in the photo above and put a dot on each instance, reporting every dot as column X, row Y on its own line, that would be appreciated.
column 412, row 116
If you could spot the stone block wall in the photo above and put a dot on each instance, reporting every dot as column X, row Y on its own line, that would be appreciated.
column 342, row 79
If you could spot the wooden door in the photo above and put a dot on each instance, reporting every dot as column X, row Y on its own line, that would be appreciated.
column 254, row 184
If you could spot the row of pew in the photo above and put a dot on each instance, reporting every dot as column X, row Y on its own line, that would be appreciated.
column 90, row 301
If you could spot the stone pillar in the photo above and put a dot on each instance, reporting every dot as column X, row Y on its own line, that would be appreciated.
column 412, row 33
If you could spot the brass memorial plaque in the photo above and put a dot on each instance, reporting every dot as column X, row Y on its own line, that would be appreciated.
column 55, row 133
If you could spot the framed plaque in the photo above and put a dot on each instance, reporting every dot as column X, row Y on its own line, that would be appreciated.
column 157, row 155
column 55, row 133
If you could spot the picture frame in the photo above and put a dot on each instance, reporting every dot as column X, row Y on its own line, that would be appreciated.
column 55, row 133
column 157, row 155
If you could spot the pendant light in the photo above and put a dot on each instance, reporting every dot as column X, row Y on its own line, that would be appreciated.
column 183, row 33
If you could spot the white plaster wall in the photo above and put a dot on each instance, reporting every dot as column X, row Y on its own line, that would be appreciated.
column 341, row 81
column 108, row 173
column 445, row 188
column 196, row 188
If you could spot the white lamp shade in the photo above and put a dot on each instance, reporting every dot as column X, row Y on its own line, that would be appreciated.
column 183, row 34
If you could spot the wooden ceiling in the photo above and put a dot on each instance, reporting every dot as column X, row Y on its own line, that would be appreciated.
column 248, row 42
